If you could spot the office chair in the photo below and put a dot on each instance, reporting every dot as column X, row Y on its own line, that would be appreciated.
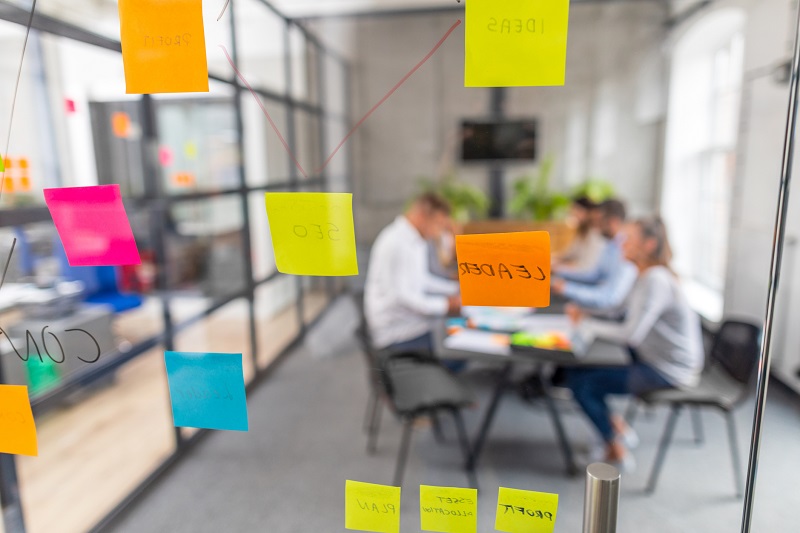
column 413, row 385
column 723, row 385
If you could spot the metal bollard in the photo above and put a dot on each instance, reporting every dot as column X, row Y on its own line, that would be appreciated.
column 602, row 499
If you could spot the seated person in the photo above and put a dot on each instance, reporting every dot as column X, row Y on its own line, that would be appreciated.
column 401, row 294
column 660, row 329
column 606, row 285
column 585, row 249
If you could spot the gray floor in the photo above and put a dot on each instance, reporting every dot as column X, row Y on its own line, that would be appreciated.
column 287, row 474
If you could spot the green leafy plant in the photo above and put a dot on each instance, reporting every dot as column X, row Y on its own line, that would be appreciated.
column 466, row 201
column 533, row 198
column 596, row 189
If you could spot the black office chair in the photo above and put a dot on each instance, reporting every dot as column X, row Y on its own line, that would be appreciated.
column 413, row 385
column 724, row 385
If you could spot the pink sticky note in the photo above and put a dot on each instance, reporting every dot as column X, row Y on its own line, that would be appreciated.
column 93, row 225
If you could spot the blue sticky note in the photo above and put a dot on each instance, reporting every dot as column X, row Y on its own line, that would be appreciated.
column 207, row 390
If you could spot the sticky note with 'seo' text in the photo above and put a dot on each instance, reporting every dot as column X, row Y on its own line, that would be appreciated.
column 17, row 428
column 207, row 390
column 525, row 511
column 163, row 46
column 504, row 269
column 93, row 225
column 512, row 43
column 370, row 507
column 313, row 233
column 448, row 509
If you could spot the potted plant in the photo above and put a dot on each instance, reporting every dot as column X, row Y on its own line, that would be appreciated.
column 596, row 189
column 534, row 199
column 467, row 202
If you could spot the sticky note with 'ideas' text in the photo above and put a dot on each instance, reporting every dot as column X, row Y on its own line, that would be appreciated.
column 370, row 507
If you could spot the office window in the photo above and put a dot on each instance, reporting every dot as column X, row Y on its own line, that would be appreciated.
column 700, row 162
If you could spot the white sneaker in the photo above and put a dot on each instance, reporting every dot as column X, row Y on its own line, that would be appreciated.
column 630, row 438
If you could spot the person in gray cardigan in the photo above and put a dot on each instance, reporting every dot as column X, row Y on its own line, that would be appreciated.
column 660, row 329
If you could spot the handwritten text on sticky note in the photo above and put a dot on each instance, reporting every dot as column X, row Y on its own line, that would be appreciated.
column 504, row 269
column 448, row 509
column 163, row 46
column 513, row 43
column 93, row 225
column 17, row 428
column 207, row 390
column 525, row 511
column 313, row 233
column 370, row 507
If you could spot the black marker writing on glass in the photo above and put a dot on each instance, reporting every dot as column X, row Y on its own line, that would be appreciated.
column 29, row 337
column 316, row 231
column 503, row 271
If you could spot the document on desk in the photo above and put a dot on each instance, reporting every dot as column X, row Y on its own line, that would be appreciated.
column 471, row 340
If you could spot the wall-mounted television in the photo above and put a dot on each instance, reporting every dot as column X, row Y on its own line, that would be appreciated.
column 498, row 140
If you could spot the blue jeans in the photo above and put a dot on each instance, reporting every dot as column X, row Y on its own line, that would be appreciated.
column 424, row 344
column 590, row 386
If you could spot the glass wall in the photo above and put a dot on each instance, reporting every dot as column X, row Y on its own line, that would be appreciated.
column 193, row 170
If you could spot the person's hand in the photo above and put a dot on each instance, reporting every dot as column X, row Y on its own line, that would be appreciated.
column 558, row 285
column 575, row 313
column 453, row 304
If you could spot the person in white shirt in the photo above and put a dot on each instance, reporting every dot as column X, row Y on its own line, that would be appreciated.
column 401, row 294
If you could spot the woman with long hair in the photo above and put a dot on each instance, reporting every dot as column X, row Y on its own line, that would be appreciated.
column 587, row 245
column 660, row 329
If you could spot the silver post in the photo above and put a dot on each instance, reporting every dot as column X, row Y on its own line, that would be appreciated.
column 602, row 499
column 765, row 358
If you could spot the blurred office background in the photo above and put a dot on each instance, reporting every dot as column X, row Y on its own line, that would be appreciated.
column 679, row 107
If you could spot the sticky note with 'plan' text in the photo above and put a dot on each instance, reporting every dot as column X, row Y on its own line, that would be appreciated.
column 370, row 507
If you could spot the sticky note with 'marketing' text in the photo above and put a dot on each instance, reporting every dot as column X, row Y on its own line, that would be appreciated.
column 512, row 43
column 370, row 507
column 163, row 46
column 504, row 269
column 525, row 511
column 448, row 509
column 313, row 233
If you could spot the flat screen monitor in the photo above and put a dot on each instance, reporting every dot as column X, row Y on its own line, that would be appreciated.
column 492, row 141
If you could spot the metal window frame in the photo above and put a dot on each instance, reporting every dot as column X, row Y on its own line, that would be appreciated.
column 156, row 202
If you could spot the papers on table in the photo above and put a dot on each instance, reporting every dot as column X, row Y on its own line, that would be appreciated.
column 492, row 342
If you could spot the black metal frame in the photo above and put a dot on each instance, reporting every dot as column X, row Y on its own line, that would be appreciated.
column 157, row 203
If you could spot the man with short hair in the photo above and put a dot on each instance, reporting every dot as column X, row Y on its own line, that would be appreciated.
column 401, row 294
column 605, row 286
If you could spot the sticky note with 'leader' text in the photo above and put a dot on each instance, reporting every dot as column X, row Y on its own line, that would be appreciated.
column 504, row 269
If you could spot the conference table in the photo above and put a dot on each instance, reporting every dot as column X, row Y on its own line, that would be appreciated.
column 483, row 346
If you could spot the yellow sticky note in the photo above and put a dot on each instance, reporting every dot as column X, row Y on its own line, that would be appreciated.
column 504, row 269
column 448, row 509
column 17, row 428
column 525, row 511
column 313, row 233
column 513, row 43
column 371, row 507
column 163, row 46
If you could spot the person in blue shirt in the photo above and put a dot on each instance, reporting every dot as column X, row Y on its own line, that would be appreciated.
column 606, row 285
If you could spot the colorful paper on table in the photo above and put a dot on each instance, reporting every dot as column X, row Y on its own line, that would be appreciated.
column 511, row 43
column 448, row 509
column 370, row 507
column 93, row 225
column 207, row 390
column 313, row 233
column 525, row 511
column 17, row 428
column 163, row 46
column 504, row 269
column 121, row 124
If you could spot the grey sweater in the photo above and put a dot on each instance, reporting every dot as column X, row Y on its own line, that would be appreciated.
column 658, row 324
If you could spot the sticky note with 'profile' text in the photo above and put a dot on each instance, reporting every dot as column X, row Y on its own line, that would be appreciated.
column 93, row 225
column 163, row 46
column 512, row 43
column 525, row 511
column 448, row 509
column 207, row 390
column 17, row 427
column 370, row 507
column 504, row 269
column 313, row 233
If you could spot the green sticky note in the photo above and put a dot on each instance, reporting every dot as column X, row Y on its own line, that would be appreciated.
column 448, row 509
column 512, row 43
column 525, row 511
column 313, row 233
column 2, row 164
column 371, row 507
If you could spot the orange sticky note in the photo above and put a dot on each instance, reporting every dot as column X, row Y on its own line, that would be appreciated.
column 504, row 269
column 17, row 428
column 163, row 46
